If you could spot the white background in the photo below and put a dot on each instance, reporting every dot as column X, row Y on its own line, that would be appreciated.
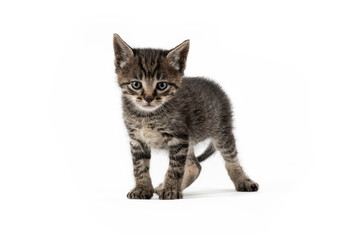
column 291, row 69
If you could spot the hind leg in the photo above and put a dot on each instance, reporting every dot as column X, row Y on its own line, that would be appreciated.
column 192, row 171
column 226, row 145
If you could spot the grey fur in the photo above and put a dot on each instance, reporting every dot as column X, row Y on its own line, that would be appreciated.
column 188, row 111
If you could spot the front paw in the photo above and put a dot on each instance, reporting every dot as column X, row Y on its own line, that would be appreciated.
column 247, row 185
column 141, row 193
column 169, row 193
column 159, row 188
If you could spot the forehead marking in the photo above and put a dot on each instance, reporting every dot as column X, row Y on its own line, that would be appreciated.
column 150, row 65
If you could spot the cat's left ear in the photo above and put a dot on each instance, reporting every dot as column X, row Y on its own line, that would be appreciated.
column 123, row 51
column 178, row 55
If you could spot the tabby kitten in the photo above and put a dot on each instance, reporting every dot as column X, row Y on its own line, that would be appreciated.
column 162, row 109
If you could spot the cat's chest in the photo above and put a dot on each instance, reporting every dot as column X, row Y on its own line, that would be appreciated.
column 149, row 132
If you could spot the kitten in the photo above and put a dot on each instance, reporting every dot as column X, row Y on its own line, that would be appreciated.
column 162, row 109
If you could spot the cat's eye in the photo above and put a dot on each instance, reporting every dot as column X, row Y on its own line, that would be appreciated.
column 136, row 84
column 161, row 85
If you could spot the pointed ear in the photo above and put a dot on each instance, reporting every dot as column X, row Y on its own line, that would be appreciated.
column 123, row 52
column 177, row 56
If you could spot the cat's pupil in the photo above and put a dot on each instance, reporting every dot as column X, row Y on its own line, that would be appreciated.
column 136, row 84
column 162, row 85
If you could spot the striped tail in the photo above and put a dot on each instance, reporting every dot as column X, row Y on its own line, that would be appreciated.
column 208, row 152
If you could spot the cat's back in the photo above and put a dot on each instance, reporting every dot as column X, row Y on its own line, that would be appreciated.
column 204, row 90
column 198, row 82
column 204, row 104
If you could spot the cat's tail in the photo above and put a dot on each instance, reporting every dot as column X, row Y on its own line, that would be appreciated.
column 208, row 152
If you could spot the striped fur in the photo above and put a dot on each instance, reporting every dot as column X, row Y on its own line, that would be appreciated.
column 176, row 118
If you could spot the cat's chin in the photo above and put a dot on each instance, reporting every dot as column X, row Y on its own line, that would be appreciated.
column 148, row 108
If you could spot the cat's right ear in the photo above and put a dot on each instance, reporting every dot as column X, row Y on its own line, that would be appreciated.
column 178, row 55
column 123, row 52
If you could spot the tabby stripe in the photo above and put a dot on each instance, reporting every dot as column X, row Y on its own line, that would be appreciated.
column 124, row 84
column 140, row 167
column 230, row 157
column 131, row 91
column 176, row 164
column 229, row 151
column 181, row 158
column 177, row 148
column 137, row 164
column 140, row 155
column 177, row 151
column 142, row 145
column 166, row 92
column 180, row 145
column 176, row 174
column 181, row 136
column 142, row 67
column 167, row 135
column 174, row 85
column 156, row 68
column 135, row 148
column 139, row 173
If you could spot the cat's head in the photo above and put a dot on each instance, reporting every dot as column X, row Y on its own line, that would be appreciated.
column 149, row 77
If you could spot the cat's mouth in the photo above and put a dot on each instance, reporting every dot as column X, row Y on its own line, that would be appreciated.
column 148, row 106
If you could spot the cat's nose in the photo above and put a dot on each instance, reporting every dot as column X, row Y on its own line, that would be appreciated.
column 149, row 99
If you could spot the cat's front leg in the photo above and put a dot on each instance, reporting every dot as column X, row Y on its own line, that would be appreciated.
column 171, row 189
column 141, row 154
